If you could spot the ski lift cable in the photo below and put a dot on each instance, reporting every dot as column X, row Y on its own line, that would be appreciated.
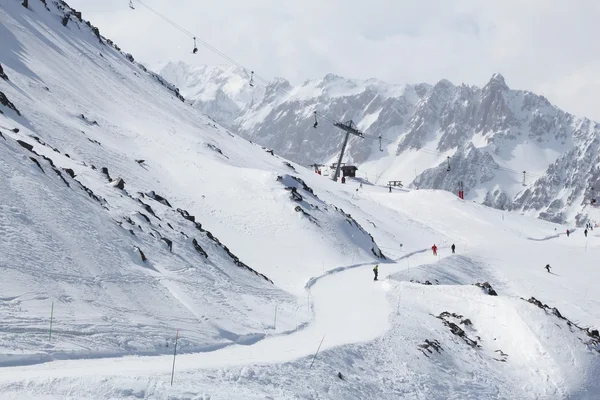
column 266, row 82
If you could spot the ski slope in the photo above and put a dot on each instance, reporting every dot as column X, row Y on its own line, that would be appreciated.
column 267, row 260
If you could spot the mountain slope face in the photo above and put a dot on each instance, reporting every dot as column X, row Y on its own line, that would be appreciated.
column 131, row 215
column 487, row 136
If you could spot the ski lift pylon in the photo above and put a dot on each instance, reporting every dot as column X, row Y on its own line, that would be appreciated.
column 316, row 122
column 195, row 47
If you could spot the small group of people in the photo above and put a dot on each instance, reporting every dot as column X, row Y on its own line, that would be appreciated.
column 434, row 249
column 588, row 227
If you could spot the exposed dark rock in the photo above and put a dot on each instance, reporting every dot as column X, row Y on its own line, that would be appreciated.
column 430, row 344
column 502, row 354
column 215, row 148
column 2, row 136
column 295, row 195
column 3, row 74
column 199, row 249
column 289, row 165
column 131, row 231
column 140, row 161
column 149, row 209
column 427, row 282
column 186, row 215
column 158, row 198
column 83, row 117
column 310, row 217
column 169, row 225
column 38, row 164
column 119, row 183
column 65, row 19
column 90, row 193
column 339, row 375
column 97, row 33
column 104, row 170
column 141, row 253
column 95, row 141
column 37, row 139
column 169, row 243
column 25, row 3
column 70, row 172
column 455, row 329
column 7, row 103
column 145, row 217
column 25, row 145
column 487, row 288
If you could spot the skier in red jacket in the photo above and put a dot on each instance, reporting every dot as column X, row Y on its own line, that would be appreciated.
column 434, row 249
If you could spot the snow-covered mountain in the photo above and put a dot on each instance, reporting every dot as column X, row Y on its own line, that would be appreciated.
column 511, row 149
column 130, row 222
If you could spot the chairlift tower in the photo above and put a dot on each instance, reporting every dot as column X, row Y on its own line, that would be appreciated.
column 349, row 129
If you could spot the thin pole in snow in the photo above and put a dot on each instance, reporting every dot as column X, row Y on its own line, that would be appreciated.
column 51, row 318
column 174, row 355
column 308, row 300
column 313, row 360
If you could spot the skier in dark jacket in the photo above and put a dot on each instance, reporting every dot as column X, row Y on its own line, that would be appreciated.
column 547, row 267
column 585, row 233
column 376, row 271
column 568, row 233
column 453, row 248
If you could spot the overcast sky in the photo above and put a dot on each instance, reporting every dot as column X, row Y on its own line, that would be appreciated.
column 551, row 47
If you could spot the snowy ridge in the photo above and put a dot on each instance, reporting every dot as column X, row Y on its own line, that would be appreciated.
column 490, row 134
column 133, row 216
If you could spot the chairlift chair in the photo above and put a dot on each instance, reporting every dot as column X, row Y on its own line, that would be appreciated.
column 448, row 167
column 316, row 122
column 251, row 83
column 195, row 47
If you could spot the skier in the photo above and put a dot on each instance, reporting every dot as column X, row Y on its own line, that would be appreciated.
column 376, row 271
column 434, row 249
column 453, row 248
column 568, row 233
column 585, row 232
column 390, row 188
column 547, row 267
column 361, row 185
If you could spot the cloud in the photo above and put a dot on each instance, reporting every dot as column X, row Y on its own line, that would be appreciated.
column 546, row 46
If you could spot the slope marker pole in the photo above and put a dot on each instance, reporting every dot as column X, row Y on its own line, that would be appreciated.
column 51, row 318
column 319, row 348
column 174, row 355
